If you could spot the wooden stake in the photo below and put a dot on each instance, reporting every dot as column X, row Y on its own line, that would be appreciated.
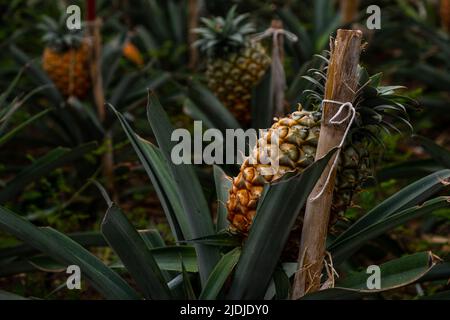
column 96, row 72
column 94, row 26
column 278, row 75
column 444, row 12
column 349, row 10
column 341, row 84
column 278, row 24
column 192, row 36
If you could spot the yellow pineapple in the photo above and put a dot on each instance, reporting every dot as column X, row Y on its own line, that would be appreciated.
column 298, row 135
column 66, row 58
column 132, row 53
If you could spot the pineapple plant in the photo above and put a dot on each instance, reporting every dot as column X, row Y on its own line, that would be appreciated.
column 298, row 135
column 235, row 63
column 66, row 58
column 160, row 270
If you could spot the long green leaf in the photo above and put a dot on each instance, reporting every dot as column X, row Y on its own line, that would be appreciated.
column 282, row 284
column 154, row 164
column 188, row 187
column 42, row 166
column 4, row 295
column 68, row 252
column 187, row 285
column 344, row 248
column 5, row 94
column 276, row 214
column 438, row 153
column 443, row 295
column 85, row 239
column 409, row 170
column 411, row 195
column 393, row 274
column 38, row 75
column 11, row 133
column 440, row 271
column 134, row 253
column 220, row 274
column 263, row 108
column 211, row 107
column 169, row 258
column 162, row 171
column 38, row 263
column 223, row 185
column 194, row 112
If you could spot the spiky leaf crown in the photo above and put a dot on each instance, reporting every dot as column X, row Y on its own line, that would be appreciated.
column 219, row 36
column 57, row 36
column 377, row 107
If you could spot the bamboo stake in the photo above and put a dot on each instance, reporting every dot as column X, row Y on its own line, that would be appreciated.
column 94, row 26
column 278, row 76
column 349, row 10
column 340, row 86
column 444, row 12
column 192, row 36
column 96, row 74
column 278, row 24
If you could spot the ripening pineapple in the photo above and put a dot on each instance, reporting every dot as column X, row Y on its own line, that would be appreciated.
column 66, row 58
column 298, row 135
column 132, row 53
column 235, row 64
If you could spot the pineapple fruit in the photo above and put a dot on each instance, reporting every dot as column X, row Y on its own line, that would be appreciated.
column 298, row 135
column 66, row 58
column 132, row 53
column 235, row 64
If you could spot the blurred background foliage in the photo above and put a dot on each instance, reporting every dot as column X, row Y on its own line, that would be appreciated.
column 60, row 149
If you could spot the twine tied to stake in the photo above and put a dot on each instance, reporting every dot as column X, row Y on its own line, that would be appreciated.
column 350, row 115
column 278, row 75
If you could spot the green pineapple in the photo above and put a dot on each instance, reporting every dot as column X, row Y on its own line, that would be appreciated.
column 235, row 63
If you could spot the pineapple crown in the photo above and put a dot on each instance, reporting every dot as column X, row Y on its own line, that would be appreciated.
column 219, row 36
column 57, row 36
column 377, row 107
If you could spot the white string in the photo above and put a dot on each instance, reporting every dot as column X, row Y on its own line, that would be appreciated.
column 274, row 32
column 350, row 115
column 278, row 79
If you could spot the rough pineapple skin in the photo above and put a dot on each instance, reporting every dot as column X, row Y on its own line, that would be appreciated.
column 69, row 70
column 298, row 138
column 232, row 78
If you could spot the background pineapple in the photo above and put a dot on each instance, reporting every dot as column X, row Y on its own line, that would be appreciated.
column 298, row 137
column 66, row 58
column 132, row 53
column 235, row 64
